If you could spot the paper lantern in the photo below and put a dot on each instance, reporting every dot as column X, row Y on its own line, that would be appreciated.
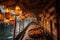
column 6, row 21
column 17, row 10
column 12, row 22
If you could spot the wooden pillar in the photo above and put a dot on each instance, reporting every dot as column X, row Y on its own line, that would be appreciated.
column 14, row 31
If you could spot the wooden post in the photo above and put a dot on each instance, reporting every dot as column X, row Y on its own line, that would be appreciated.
column 14, row 29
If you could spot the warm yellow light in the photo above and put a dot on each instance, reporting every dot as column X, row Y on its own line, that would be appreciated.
column 6, row 21
column 12, row 18
column 7, row 10
column 17, row 8
column 17, row 12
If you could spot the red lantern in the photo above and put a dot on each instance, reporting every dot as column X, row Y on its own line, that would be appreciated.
column 12, row 22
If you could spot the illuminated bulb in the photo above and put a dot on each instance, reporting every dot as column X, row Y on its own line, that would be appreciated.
column 6, row 21
column 11, row 18
column 7, row 10
column 17, row 8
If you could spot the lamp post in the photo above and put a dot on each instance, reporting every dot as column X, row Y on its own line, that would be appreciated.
column 17, row 13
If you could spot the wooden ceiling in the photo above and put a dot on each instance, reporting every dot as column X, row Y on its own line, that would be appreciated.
column 29, row 4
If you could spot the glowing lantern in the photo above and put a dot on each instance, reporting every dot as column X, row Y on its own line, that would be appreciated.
column 12, row 18
column 6, row 21
column 12, row 22
column 17, row 10
column 7, row 10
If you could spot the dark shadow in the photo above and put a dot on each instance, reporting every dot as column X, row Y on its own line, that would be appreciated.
column 48, row 36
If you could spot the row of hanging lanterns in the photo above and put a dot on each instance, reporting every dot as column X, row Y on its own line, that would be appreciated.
column 9, row 17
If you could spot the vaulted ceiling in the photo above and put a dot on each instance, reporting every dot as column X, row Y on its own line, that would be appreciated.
column 29, row 4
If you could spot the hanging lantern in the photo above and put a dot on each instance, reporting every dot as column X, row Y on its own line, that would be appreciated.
column 12, row 22
column 17, row 10
column 7, row 10
column 12, row 18
column 6, row 21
